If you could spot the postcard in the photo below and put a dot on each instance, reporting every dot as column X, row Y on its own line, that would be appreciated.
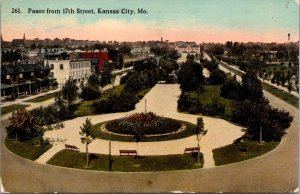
column 141, row 96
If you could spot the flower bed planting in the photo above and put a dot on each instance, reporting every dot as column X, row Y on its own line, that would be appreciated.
column 144, row 123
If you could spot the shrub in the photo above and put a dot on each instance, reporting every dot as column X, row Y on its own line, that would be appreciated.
column 260, row 114
column 123, row 103
column 145, row 123
column 184, row 103
column 231, row 89
column 217, row 77
column 47, row 115
column 213, row 109
column 89, row 92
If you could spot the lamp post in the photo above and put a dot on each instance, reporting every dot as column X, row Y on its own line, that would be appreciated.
column 109, row 153
column 260, row 135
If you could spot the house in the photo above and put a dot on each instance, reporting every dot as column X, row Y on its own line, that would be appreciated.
column 187, row 47
column 61, row 70
column 24, row 79
column 141, row 52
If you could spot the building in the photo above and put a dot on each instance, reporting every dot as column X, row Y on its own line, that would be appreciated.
column 52, row 54
column 141, row 52
column 23, row 79
column 98, row 59
column 62, row 70
column 187, row 47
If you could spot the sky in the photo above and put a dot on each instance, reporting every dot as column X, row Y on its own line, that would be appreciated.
column 174, row 20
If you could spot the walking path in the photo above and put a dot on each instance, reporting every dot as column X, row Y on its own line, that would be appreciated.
column 22, row 100
column 162, row 99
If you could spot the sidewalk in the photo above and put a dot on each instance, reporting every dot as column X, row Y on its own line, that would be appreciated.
column 21, row 100
column 220, row 132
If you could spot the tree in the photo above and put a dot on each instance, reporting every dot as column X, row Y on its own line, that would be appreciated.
column 20, row 125
column 217, row 77
column 134, row 83
column 199, row 131
column 38, row 126
column 282, row 78
column 187, row 77
column 94, row 80
column 106, row 75
column 251, row 87
column 89, row 92
column 257, row 115
column 87, row 136
column 69, row 91
column 231, row 88
column 290, row 86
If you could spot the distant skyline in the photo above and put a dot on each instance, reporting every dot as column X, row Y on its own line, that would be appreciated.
column 174, row 20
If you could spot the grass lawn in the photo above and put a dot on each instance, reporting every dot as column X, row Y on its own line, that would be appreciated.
column 142, row 93
column 186, row 133
column 115, row 90
column 11, row 108
column 42, row 98
column 27, row 149
column 285, row 96
column 232, row 153
column 100, row 162
column 209, row 93
column 85, row 107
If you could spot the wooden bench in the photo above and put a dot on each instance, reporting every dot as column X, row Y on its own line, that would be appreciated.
column 128, row 152
column 71, row 147
column 191, row 150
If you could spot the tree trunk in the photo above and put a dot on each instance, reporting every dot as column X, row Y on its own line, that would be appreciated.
column 198, row 154
column 87, row 155
column 39, row 138
column 137, row 148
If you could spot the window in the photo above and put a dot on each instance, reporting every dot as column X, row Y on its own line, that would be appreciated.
column 51, row 66
column 61, row 66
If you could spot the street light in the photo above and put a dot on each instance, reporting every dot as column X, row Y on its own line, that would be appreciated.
column 109, row 153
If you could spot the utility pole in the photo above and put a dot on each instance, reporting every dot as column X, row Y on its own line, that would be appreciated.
column 109, row 154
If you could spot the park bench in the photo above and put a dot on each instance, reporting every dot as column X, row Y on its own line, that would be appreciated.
column 128, row 152
column 191, row 150
column 71, row 147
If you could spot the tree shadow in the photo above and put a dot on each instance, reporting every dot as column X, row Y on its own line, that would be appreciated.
column 92, row 157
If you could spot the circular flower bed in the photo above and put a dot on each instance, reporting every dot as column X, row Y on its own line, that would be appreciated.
column 143, row 123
